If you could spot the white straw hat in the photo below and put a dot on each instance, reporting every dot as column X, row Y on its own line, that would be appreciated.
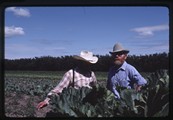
column 118, row 48
column 86, row 56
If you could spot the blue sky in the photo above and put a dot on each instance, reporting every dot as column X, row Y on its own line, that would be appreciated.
column 58, row 31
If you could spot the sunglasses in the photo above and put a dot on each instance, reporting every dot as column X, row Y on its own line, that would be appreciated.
column 118, row 54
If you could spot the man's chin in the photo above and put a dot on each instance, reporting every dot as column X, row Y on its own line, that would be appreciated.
column 117, row 63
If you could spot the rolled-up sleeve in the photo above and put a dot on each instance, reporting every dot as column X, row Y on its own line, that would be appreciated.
column 62, row 84
column 140, row 80
column 136, row 77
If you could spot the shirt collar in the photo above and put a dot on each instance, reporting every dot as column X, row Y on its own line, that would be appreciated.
column 123, row 67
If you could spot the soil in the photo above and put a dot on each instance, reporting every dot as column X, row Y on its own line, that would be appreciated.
column 21, row 105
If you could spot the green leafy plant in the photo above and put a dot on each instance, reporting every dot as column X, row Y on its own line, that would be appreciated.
column 151, row 101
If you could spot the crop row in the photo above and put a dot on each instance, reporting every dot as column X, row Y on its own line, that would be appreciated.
column 152, row 101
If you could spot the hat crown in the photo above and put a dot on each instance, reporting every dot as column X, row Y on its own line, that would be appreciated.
column 118, row 47
column 86, row 56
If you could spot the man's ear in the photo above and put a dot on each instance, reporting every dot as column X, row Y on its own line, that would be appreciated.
column 125, row 57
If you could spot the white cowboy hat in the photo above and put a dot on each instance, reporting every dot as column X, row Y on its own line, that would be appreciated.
column 86, row 56
column 118, row 48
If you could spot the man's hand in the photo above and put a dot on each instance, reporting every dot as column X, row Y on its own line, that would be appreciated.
column 137, row 87
column 41, row 105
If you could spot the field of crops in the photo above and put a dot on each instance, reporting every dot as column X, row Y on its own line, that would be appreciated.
column 25, row 89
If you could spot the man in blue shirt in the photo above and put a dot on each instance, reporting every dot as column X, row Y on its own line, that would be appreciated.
column 123, row 74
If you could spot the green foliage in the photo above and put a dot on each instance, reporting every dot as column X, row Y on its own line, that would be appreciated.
column 158, row 94
column 160, row 77
column 83, row 102
column 34, row 87
column 70, row 101
column 151, row 101
column 143, row 63
column 51, row 75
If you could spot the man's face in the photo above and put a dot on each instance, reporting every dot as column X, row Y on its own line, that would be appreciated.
column 119, row 58
column 84, row 65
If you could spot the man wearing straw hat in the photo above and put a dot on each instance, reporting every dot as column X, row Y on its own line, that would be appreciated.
column 123, row 74
column 81, row 76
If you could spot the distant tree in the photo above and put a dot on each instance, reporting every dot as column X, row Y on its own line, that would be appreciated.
column 143, row 63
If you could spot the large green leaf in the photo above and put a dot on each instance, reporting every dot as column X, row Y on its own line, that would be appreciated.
column 151, row 101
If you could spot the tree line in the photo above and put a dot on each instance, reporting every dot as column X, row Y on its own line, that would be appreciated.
column 143, row 63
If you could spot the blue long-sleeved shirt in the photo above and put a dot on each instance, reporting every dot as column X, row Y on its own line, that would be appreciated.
column 125, row 76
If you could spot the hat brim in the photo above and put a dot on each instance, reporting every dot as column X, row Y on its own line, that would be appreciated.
column 125, row 51
column 90, row 60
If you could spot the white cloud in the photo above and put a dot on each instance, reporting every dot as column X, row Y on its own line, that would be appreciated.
column 19, row 11
column 13, row 31
column 149, row 48
column 149, row 30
